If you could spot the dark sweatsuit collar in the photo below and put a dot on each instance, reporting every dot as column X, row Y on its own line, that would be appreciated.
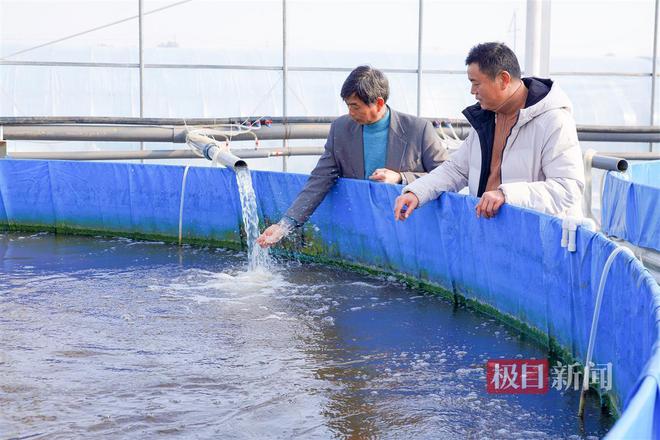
column 537, row 89
column 483, row 121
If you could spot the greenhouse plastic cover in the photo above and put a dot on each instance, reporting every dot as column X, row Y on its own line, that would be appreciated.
column 513, row 263
column 631, row 205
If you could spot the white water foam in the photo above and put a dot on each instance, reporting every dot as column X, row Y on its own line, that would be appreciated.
column 227, row 285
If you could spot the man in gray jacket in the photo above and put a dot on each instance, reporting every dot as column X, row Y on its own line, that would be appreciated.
column 522, row 149
column 372, row 141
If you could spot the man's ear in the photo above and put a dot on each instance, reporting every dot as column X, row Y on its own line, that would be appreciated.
column 380, row 103
column 505, row 79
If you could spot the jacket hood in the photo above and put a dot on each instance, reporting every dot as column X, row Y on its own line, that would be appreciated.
column 542, row 96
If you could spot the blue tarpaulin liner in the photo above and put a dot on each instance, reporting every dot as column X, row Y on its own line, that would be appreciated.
column 631, row 205
column 513, row 263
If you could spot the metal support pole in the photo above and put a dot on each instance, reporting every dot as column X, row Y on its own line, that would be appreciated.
column 654, row 67
column 419, row 58
column 544, row 61
column 285, row 72
column 533, row 39
column 141, row 51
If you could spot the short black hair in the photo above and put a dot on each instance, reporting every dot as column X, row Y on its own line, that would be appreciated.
column 493, row 58
column 367, row 83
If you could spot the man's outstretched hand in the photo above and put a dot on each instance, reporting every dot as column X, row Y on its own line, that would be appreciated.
column 404, row 205
column 385, row 175
column 272, row 235
column 490, row 203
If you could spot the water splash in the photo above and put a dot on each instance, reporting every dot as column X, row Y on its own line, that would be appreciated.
column 258, row 258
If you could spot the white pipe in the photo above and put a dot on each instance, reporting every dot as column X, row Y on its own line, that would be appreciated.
column 569, row 227
column 572, row 233
column 594, row 321
column 183, row 194
column 587, row 201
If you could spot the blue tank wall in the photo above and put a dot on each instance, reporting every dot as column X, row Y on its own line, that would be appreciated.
column 631, row 205
column 513, row 263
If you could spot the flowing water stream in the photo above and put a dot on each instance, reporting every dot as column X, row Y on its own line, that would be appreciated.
column 258, row 258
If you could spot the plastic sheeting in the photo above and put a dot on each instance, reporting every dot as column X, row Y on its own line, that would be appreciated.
column 513, row 262
column 631, row 205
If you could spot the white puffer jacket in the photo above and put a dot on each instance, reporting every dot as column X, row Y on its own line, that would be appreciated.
column 542, row 166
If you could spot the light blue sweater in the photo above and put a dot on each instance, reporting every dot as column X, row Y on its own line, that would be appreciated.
column 374, row 139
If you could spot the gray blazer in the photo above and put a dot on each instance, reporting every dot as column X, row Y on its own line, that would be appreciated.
column 413, row 149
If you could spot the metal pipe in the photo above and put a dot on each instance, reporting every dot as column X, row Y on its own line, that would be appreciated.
column 608, row 136
column 600, row 74
column 257, row 67
column 151, row 134
column 246, row 153
column 95, row 133
column 107, row 155
column 631, row 155
column 111, row 120
column 249, row 153
column 254, row 67
column 533, row 38
column 654, row 67
column 24, row 130
column 587, row 159
column 604, row 161
column 225, row 157
column 420, row 19
column 215, row 151
column 609, row 163
column 285, row 75
column 141, row 58
column 544, row 50
column 67, row 64
column 646, row 129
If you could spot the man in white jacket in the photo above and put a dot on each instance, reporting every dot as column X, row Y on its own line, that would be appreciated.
column 522, row 149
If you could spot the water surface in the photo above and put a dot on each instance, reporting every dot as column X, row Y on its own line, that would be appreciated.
column 113, row 338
